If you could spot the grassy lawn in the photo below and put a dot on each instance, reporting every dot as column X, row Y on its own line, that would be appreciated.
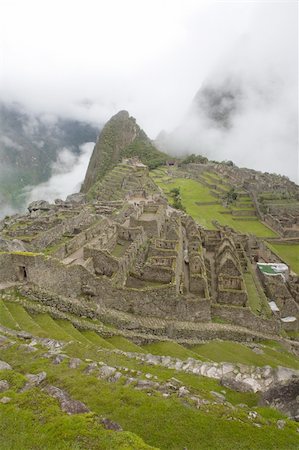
column 124, row 344
column 24, row 320
column 6, row 319
column 33, row 420
column 256, row 297
column 289, row 253
column 193, row 191
column 238, row 353
column 170, row 349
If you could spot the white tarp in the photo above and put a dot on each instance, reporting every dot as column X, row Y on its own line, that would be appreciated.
column 273, row 306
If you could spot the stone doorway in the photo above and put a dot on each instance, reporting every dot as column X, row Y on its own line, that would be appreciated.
column 22, row 273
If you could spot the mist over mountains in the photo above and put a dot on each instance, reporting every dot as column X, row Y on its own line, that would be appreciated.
column 246, row 108
column 34, row 149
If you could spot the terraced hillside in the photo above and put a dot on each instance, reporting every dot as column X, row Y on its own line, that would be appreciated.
column 203, row 201
column 126, row 323
column 91, row 392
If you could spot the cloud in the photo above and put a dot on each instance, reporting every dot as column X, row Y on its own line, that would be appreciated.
column 151, row 58
column 68, row 172
column 247, row 108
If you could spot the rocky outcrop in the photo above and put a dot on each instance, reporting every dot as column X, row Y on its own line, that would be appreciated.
column 285, row 397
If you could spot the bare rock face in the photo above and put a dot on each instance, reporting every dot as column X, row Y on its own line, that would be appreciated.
column 284, row 397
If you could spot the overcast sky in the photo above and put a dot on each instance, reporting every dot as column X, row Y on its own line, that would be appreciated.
column 89, row 59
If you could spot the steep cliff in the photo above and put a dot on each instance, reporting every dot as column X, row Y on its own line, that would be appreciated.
column 121, row 137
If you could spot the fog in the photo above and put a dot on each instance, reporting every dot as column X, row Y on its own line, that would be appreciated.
column 67, row 176
column 247, row 108
column 87, row 60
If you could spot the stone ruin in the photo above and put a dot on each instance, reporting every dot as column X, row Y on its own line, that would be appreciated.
column 143, row 258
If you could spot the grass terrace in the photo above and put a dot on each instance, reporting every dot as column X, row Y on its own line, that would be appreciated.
column 287, row 252
column 193, row 192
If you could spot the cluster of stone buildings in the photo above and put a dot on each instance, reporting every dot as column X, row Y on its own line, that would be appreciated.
column 140, row 256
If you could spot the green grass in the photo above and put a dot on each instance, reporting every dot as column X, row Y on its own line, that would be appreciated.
column 6, row 319
column 253, row 295
column 124, row 344
column 192, row 191
column 289, row 253
column 52, row 329
column 256, row 297
column 33, row 420
column 170, row 349
column 234, row 352
column 69, row 328
column 24, row 320
column 163, row 423
column 96, row 339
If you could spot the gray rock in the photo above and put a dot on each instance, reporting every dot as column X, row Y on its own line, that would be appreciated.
column 59, row 358
column 106, row 371
column 27, row 348
column 213, row 372
column 218, row 395
column 39, row 205
column 74, row 363
column 183, row 391
column 280, row 424
column 76, row 198
column 91, row 368
column 227, row 368
column 14, row 245
column 24, row 335
column 33, row 380
column 284, row 374
column 67, row 404
column 255, row 385
column 115, row 377
column 146, row 384
column 258, row 350
column 4, row 385
column 238, row 386
column 110, row 425
column 284, row 397
column 5, row 400
column 5, row 366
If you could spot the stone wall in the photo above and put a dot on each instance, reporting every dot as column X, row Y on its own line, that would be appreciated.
column 244, row 317
column 74, row 281
column 81, row 221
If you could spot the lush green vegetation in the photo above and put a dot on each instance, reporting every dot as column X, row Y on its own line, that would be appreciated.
column 197, row 159
column 289, row 253
column 239, row 353
column 34, row 420
column 146, row 152
column 193, row 192
column 170, row 349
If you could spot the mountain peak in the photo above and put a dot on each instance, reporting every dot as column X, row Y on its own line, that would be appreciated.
column 120, row 138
